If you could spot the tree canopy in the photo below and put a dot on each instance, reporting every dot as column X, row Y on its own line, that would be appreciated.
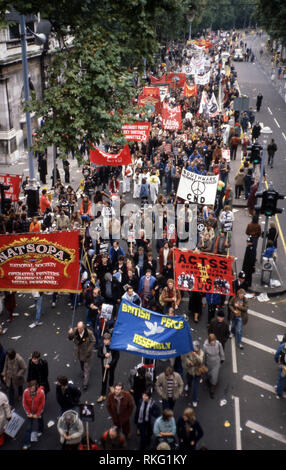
column 272, row 17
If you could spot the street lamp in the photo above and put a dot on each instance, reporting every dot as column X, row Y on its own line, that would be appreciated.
column 32, row 189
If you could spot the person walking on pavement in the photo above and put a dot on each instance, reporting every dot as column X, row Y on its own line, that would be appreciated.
column 271, row 149
column 38, row 297
column 219, row 328
column 169, row 386
column 165, row 428
column 13, row 375
column 33, row 404
column 120, row 406
column 38, row 370
column 84, row 342
column 192, row 363
column 146, row 413
column 214, row 357
column 109, row 358
column 238, row 306
column 249, row 261
column 280, row 358
column 256, row 130
column 259, row 101
column 189, row 431
column 253, row 230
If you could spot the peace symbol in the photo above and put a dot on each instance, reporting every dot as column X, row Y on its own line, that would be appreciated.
column 198, row 188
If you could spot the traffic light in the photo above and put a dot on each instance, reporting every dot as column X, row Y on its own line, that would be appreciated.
column 255, row 154
column 5, row 202
column 269, row 202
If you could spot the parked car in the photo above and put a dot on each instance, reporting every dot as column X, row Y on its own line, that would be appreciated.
column 238, row 55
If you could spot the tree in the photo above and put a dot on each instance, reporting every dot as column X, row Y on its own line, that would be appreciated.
column 90, row 83
column 272, row 16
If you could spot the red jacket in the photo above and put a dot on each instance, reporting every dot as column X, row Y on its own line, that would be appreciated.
column 34, row 405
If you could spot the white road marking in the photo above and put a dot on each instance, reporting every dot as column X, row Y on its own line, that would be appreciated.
column 277, row 122
column 258, row 345
column 266, row 431
column 233, row 355
column 267, row 318
column 259, row 383
column 284, row 135
column 269, row 110
column 237, row 423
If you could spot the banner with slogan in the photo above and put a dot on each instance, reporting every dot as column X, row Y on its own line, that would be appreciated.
column 14, row 181
column 176, row 79
column 98, row 157
column 40, row 261
column 172, row 117
column 149, row 334
column 198, row 189
column 138, row 131
column 164, row 90
column 203, row 272
column 190, row 90
column 202, row 79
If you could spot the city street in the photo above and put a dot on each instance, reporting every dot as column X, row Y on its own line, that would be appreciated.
column 245, row 413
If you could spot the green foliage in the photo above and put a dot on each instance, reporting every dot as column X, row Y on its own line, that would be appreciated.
column 272, row 16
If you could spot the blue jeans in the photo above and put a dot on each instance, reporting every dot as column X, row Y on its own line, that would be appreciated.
column 236, row 328
column 280, row 383
column 31, row 421
column 194, row 382
column 39, row 303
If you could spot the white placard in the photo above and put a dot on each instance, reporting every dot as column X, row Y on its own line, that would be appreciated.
column 14, row 425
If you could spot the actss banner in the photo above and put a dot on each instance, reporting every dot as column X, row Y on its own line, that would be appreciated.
column 149, row 334
column 40, row 261
column 203, row 272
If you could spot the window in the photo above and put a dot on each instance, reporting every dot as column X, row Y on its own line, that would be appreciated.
column 14, row 31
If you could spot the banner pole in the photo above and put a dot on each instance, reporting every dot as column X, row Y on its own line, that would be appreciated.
column 75, row 298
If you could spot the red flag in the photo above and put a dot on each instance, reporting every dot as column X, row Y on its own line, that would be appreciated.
column 40, row 261
column 172, row 117
column 176, row 80
column 190, row 90
column 150, row 91
column 102, row 158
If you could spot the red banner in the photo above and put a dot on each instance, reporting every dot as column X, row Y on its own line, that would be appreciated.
column 150, row 101
column 157, row 81
column 151, row 91
column 203, row 272
column 190, row 90
column 98, row 157
column 40, row 261
column 172, row 117
column 14, row 181
column 139, row 131
column 176, row 80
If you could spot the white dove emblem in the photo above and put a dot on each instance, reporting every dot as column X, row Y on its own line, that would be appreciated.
column 154, row 328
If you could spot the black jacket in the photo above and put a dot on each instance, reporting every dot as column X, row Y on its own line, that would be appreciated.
column 40, row 373
column 68, row 397
column 114, row 355
column 185, row 438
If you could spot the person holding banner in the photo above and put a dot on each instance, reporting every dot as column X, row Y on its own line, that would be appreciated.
column 109, row 358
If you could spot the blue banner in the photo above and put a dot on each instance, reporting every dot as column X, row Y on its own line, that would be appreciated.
column 149, row 334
